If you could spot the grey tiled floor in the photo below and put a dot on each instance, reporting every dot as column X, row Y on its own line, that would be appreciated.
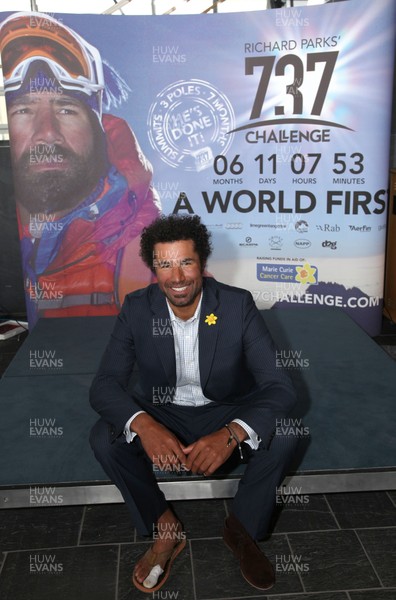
column 332, row 547
column 329, row 547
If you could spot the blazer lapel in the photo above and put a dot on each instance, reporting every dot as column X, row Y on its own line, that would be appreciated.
column 163, row 335
column 208, row 333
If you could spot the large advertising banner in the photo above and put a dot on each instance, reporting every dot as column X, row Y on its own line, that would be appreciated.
column 273, row 126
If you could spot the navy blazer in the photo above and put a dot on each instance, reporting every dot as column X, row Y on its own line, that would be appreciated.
column 237, row 359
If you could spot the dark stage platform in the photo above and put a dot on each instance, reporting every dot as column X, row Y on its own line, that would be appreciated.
column 346, row 414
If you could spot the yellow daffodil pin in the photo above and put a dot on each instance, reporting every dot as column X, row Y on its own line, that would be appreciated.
column 306, row 274
column 211, row 319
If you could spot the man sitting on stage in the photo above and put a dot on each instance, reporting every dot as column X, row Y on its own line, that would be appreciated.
column 205, row 346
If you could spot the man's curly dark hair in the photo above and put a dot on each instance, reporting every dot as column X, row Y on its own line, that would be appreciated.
column 172, row 228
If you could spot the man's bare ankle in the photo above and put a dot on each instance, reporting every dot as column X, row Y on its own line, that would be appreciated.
column 168, row 531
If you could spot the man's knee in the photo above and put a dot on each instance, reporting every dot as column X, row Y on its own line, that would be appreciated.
column 279, row 451
column 283, row 447
column 108, row 450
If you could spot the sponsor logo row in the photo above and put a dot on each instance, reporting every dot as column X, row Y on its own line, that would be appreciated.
column 302, row 226
column 275, row 242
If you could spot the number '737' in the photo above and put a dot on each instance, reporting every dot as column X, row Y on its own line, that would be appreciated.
column 267, row 63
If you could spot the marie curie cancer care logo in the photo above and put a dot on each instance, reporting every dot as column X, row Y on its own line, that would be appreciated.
column 189, row 124
column 287, row 273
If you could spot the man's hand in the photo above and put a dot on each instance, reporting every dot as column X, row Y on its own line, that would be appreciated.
column 208, row 453
column 161, row 445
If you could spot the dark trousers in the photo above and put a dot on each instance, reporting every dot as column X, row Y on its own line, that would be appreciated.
column 129, row 467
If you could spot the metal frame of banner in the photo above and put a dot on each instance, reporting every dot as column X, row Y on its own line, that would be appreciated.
column 199, row 489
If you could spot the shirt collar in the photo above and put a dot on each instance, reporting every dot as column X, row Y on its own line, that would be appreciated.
column 196, row 314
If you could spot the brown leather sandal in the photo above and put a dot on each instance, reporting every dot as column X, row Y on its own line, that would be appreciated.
column 154, row 558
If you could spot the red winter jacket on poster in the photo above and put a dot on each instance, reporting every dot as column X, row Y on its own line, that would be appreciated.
column 87, row 261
